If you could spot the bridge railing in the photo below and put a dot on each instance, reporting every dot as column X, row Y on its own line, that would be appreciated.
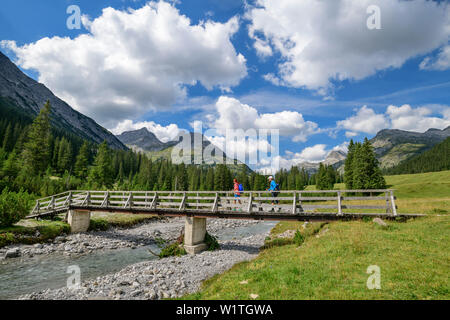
column 339, row 202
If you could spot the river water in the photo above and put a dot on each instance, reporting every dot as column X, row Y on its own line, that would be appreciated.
column 25, row 275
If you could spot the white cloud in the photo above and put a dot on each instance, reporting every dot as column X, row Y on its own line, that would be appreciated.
column 322, row 41
column 405, row 117
column 132, row 61
column 365, row 120
column 418, row 119
column 163, row 133
column 350, row 134
column 315, row 153
column 441, row 62
column 232, row 114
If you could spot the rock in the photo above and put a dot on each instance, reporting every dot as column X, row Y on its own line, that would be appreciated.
column 38, row 246
column 136, row 293
column 12, row 253
column 379, row 222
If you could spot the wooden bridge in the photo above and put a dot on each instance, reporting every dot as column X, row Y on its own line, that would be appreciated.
column 196, row 206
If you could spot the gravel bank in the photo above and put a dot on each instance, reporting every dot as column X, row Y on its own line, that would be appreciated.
column 165, row 278
column 140, row 235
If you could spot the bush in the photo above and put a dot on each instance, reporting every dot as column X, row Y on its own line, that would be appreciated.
column 98, row 225
column 13, row 206
column 174, row 249
column 211, row 242
column 299, row 238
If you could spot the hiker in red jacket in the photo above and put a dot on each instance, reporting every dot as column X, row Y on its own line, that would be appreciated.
column 237, row 193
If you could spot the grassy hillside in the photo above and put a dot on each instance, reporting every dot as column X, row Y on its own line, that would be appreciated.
column 433, row 160
column 413, row 260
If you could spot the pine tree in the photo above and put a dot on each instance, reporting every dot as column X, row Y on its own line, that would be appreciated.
column 366, row 172
column 8, row 140
column 209, row 183
column 101, row 173
column 324, row 180
column 36, row 153
column 348, row 166
column 82, row 161
column 64, row 156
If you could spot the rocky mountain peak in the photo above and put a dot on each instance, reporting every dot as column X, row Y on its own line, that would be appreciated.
column 26, row 95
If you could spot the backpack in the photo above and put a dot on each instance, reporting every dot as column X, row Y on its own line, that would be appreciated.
column 277, row 187
column 241, row 187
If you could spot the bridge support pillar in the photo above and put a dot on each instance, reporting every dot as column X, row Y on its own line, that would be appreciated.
column 79, row 220
column 194, row 235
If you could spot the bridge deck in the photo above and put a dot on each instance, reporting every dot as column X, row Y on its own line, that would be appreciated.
column 289, row 205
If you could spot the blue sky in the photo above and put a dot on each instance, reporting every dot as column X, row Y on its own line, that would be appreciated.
column 338, row 86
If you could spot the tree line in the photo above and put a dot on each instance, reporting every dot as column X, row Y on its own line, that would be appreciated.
column 42, row 161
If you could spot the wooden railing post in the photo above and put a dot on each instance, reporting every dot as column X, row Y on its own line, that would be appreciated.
column 183, row 202
column 216, row 203
column 52, row 203
column 129, row 202
column 294, row 204
column 154, row 201
column 69, row 199
column 105, row 202
column 250, row 203
column 394, row 209
column 339, row 199
column 388, row 206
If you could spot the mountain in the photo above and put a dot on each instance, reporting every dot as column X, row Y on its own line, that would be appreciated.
column 24, row 95
column 335, row 158
column 394, row 146
column 435, row 159
column 143, row 140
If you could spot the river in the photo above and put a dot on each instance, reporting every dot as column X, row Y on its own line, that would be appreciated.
column 24, row 275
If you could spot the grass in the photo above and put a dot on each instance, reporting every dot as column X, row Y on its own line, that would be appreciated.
column 413, row 258
column 25, row 232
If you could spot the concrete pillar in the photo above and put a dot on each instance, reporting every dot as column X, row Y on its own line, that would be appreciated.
column 194, row 235
column 79, row 220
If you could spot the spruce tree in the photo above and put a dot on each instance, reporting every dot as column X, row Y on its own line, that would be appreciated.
column 82, row 161
column 101, row 173
column 348, row 166
column 36, row 153
column 366, row 172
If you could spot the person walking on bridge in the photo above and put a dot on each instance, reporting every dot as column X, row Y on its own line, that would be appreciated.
column 237, row 188
column 274, row 188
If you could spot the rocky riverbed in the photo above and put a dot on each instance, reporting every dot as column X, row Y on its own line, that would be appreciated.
column 116, row 238
column 155, row 278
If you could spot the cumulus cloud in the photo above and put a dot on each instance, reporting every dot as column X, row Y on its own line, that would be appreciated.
column 232, row 114
column 322, row 41
column 365, row 120
column 163, row 133
column 405, row 117
column 416, row 119
column 131, row 61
